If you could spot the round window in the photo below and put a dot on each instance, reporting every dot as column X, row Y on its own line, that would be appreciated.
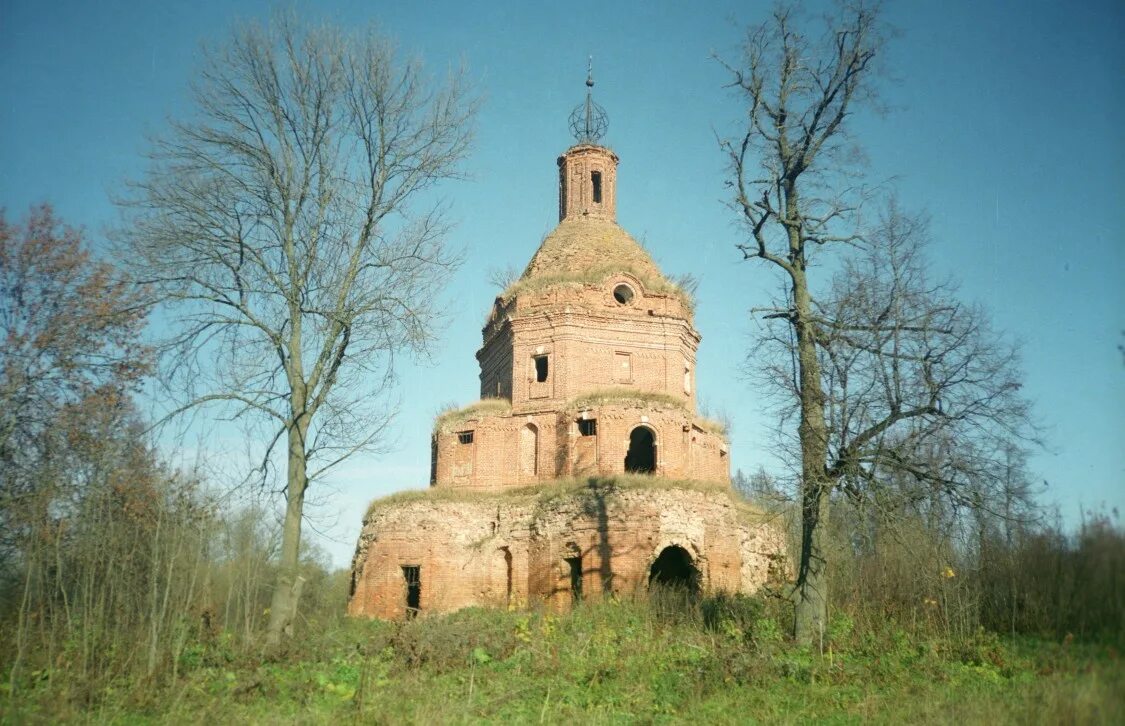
column 623, row 294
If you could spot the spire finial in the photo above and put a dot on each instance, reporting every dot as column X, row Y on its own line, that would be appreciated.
column 588, row 121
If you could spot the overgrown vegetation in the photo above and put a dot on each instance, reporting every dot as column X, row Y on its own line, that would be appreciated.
column 621, row 395
column 724, row 660
column 654, row 284
column 560, row 488
column 452, row 416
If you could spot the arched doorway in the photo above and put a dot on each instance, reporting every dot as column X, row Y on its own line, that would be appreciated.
column 674, row 568
column 641, row 457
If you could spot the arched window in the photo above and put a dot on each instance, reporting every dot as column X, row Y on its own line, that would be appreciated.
column 641, row 458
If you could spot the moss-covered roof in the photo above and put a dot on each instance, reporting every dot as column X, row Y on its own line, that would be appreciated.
column 579, row 245
column 452, row 416
column 564, row 488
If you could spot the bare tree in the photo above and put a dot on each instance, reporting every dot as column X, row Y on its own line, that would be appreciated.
column 289, row 225
column 889, row 378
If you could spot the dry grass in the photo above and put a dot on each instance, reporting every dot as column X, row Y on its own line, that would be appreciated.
column 562, row 489
column 712, row 425
column 627, row 397
column 451, row 417
column 594, row 277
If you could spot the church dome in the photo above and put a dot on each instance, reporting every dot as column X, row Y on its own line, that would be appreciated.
column 587, row 249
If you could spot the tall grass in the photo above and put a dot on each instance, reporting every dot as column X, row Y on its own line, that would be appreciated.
column 664, row 658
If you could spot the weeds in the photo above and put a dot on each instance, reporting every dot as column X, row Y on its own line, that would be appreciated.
column 668, row 657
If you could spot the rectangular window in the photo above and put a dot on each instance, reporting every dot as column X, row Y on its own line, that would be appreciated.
column 588, row 426
column 541, row 368
column 412, row 574
column 622, row 368
column 465, row 437
column 596, row 179
column 575, row 564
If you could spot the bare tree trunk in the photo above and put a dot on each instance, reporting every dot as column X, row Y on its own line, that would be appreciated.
column 811, row 591
column 283, row 608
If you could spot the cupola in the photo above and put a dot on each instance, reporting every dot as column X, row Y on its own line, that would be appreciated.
column 588, row 170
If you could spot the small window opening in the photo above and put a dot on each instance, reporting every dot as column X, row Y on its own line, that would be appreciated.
column 465, row 437
column 541, row 368
column 588, row 426
column 623, row 294
column 596, row 178
column 413, row 576
column 575, row 564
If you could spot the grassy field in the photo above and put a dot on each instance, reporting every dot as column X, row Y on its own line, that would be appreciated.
column 613, row 662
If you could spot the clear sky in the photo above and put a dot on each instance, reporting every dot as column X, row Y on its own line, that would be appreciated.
column 1006, row 125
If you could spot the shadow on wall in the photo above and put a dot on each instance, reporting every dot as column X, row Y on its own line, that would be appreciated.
column 595, row 506
column 674, row 567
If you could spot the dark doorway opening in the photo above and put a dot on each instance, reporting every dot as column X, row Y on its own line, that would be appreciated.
column 641, row 458
column 575, row 564
column 413, row 576
column 674, row 568
column 541, row 368
column 508, row 572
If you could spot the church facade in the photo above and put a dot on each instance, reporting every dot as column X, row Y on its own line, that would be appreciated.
column 584, row 470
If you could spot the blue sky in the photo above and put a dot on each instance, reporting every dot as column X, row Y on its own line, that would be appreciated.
column 1005, row 125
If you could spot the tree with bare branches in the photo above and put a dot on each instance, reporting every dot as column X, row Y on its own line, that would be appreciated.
column 888, row 377
column 290, row 228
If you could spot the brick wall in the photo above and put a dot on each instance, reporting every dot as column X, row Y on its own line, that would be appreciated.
column 518, row 449
column 505, row 549
column 595, row 351
column 577, row 193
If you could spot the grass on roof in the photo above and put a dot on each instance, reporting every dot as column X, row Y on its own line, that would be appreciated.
column 561, row 489
column 452, row 416
column 622, row 395
column 712, row 425
column 596, row 276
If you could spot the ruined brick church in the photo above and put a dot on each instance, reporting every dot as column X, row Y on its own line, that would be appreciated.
column 584, row 470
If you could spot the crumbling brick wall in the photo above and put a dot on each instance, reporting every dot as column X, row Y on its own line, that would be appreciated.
column 514, row 549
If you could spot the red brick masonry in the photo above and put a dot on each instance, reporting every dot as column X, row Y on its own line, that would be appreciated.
column 587, row 372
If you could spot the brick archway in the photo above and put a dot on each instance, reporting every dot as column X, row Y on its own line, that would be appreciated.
column 641, row 457
column 675, row 568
